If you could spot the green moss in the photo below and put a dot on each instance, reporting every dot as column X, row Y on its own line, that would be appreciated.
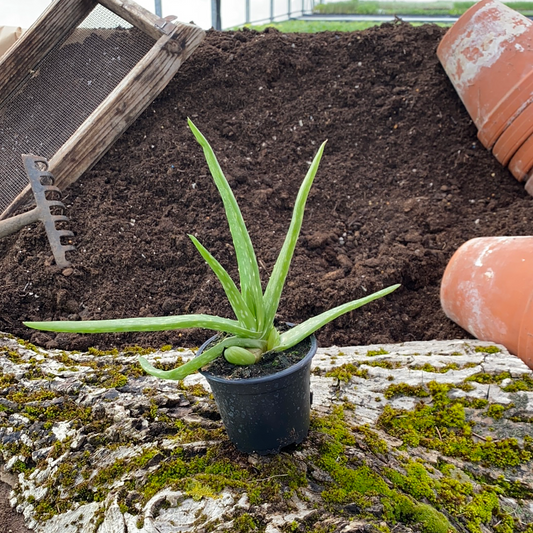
column 374, row 442
column 474, row 403
column 102, row 353
column 6, row 380
column 523, row 383
column 480, row 510
column 359, row 484
column 496, row 411
column 454, row 493
column 487, row 349
column 197, row 389
column 21, row 467
column 430, row 520
column 352, row 483
column 245, row 523
column 198, row 490
column 442, row 425
column 29, row 346
column 511, row 489
column 66, row 474
column 51, row 504
column 67, row 410
column 466, row 387
column 141, row 460
column 403, row 389
column 65, row 358
column 346, row 372
column 114, row 379
column 390, row 365
column 13, row 356
column 416, row 481
column 83, row 493
column 484, row 377
column 111, row 473
column 24, row 396
column 169, row 365
column 373, row 353
column 138, row 350
column 209, row 475
column 427, row 367
column 98, row 518
column 505, row 525
column 501, row 453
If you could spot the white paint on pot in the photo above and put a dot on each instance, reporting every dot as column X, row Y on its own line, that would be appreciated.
column 477, row 317
column 484, row 252
column 489, row 273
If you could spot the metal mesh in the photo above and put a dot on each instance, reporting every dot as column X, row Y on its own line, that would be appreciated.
column 68, row 85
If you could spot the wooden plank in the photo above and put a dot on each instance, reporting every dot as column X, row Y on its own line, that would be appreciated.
column 129, row 99
column 118, row 111
column 55, row 24
column 139, row 17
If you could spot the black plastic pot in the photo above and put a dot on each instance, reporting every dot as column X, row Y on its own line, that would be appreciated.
column 263, row 415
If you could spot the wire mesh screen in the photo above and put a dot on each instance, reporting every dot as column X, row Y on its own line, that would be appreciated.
column 67, row 86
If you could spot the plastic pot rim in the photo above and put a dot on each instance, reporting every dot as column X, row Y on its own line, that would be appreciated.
column 263, row 379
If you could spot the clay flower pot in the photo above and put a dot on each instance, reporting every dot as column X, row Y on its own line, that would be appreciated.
column 263, row 415
column 488, row 56
column 487, row 289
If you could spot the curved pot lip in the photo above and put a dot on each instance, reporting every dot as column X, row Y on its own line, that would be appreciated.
column 264, row 379
column 513, row 137
column 522, row 161
column 525, row 336
column 506, row 111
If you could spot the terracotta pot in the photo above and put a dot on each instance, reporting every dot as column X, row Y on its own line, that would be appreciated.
column 487, row 289
column 488, row 56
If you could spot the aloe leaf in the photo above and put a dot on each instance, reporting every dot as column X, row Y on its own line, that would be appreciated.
column 198, row 362
column 247, row 262
column 235, row 298
column 303, row 330
column 184, row 370
column 146, row 324
column 281, row 268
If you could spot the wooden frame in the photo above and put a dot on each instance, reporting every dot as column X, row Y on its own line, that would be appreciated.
column 175, row 42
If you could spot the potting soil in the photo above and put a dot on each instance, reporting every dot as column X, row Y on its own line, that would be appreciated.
column 402, row 184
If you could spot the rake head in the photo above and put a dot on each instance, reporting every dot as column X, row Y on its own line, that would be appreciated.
column 42, row 182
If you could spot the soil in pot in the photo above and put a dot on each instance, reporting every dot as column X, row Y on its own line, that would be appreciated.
column 403, row 183
column 270, row 363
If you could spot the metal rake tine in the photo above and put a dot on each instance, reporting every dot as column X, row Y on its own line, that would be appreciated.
column 55, row 203
column 36, row 177
column 64, row 233
column 46, row 174
column 59, row 218
column 51, row 188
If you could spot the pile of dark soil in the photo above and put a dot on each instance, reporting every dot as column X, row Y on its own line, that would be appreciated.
column 402, row 184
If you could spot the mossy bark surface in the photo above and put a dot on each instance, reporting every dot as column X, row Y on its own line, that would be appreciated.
column 419, row 437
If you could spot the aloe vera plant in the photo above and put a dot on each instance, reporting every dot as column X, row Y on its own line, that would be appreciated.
column 253, row 332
